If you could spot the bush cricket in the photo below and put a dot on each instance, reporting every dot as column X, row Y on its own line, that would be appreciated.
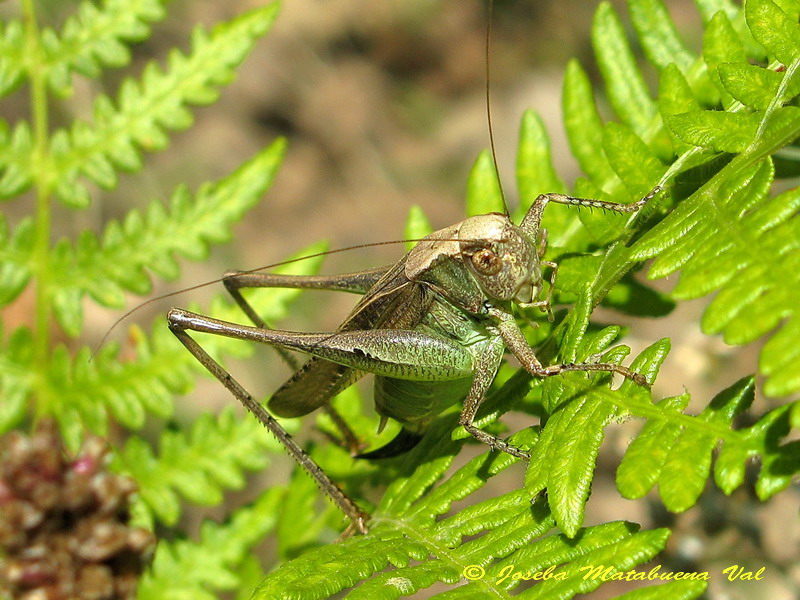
column 432, row 328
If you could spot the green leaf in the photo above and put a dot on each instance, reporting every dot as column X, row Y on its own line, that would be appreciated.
column 16, row 377
column 95, row 38
column 579, row 321
column 625, row 85
column 197, row 464
column 483, row 188
column 585, row 576
column 567, row 448
column 766, row 439
column 675, row 96
column 720, row 131
column 15, row 155
column 106, row 268
column 658, row 34
column 635, row 164
column 774, row 29
column 721, row 238
column 417, row 226
column 535, row 172
column 751, row 85
column 186, row 569
column 732, row 236
column 299, row 521
column 686, row 470
column 84, row 391
column 779, row 358
column 579, row 429
column 583, row 125
column 145, row 109
column 12, row 49
column 422, row 546
column 675, row 590
column 15, row 257
column 722, row 45
column 675, row 451
column 640, row 467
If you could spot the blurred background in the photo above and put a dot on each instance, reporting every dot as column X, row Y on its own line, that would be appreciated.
column 383, row 105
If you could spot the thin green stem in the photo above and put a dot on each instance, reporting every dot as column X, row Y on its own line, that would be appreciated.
column 43, row 186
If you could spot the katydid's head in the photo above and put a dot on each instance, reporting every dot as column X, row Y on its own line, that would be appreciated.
column 501, row 258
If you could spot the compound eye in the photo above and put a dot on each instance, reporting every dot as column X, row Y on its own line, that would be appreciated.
column 487, row 262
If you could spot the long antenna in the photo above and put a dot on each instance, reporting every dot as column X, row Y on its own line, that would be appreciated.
column 198, row 286
column 488, row 62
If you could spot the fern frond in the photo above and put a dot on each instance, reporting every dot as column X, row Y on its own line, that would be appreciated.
column 583, row 124
column 303, row 520
column 682, row 462
column 92, row 39
column 723, row 236
column 85, row 391
column 106, row 269
column 646, row 144
column 579, row 409
column 90, row 390
column 535, row 172
column 750, row 231
column 144, row 111
column 95, row 38
column 731, row 236
column 659, row 35
column 415, row 543
column 676, row 452
column 712, row 129
column 183, row 569
column 198, row 464
column 409, row 534
column 673, row 450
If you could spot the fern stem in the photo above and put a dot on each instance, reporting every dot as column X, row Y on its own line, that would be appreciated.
column 43, row 188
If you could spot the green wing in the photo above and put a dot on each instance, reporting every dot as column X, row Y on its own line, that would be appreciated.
column 393, row 302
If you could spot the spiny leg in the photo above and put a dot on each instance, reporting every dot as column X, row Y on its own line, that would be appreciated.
column 533, row 219
column 358, row 283
column 485, row 369
column 519, row 347
column 178, row 324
